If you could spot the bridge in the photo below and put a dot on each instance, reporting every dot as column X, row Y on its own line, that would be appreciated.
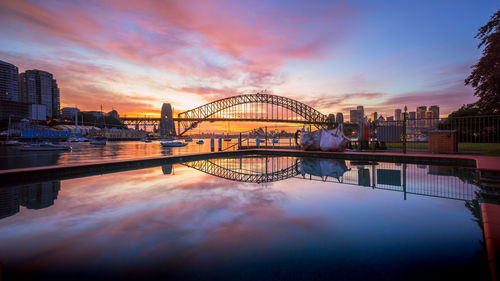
column 257, row 107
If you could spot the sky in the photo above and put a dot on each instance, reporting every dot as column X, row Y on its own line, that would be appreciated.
column 332, row 55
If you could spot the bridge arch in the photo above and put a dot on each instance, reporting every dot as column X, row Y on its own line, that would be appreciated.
column 191, row 118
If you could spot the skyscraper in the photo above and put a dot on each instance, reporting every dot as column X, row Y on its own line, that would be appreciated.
column 39, row 87
column 397, row 114
column 435, row 111
column 361, row 112
column 374, row 116
column 56, row 102
column 9, row 82
column 355, row 117
column 421, row 112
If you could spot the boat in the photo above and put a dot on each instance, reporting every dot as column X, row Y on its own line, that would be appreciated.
column 146, row 140
column 275, row 140
column 77, row 139
column 44, row 147
column 188, row 140
column 13, row 143
column 173, row 144
column 227, row 139
column 200, row 142
column 98, row 140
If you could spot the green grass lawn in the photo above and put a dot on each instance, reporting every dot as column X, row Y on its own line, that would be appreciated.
column 492, row 149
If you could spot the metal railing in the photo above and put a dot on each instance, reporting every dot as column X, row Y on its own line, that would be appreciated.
column 413, row 134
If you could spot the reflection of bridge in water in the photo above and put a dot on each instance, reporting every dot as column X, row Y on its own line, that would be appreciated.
column 436, row 181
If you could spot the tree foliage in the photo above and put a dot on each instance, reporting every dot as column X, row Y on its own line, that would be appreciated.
column 485, row 76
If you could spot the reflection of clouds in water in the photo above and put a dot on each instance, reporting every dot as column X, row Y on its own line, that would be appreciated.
column 140, row 213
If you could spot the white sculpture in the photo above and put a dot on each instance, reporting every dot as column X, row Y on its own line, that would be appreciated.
column 324, row 140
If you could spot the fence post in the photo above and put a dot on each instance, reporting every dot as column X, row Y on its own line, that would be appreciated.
column 404, row 130
column 239, row 142
column 212, row 143
column 266, row 135
column 220, row 143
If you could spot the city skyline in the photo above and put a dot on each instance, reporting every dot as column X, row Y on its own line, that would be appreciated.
column 150, row 54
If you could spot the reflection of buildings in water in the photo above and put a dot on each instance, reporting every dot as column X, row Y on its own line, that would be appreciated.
column 33, row 196
column 405, row 178
column 40, row 195
column 364, row 177
column 9, row 201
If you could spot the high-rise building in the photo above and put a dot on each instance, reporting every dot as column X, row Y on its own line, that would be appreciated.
column 56, row 100
column 39, row 87
column 374, row 116
column 390, row 118
column 354, row 116
column 397, row 114
column 412, row 115
column 421, row 112
column 340, row 117
column 9, row 82
column 361, row 112
column 435, row 111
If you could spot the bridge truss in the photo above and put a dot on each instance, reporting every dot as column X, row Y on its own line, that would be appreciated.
column 252, row 107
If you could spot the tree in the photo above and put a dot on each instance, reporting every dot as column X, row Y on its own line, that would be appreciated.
column 485, row 76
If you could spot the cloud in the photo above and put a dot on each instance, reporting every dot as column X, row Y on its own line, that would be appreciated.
column 198, row 41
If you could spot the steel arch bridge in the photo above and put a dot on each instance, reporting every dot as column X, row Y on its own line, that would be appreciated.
column 252, row 107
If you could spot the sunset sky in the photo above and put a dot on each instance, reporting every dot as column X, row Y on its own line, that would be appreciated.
column 332, row 55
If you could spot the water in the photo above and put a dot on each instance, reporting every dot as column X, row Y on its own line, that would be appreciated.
column 83, row 152
column 249, row 218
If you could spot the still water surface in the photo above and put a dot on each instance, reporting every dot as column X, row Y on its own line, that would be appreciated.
column 11, row 157
column 248, row 218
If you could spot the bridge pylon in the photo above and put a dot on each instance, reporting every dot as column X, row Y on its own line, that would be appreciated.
column 167, row 125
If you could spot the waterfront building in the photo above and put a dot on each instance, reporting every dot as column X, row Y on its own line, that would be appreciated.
column 397, row 114
column 13, row 110
column 374, row 116
column 412, row 115
column 390, row 118
column 435, row 111
column 96, row 114
column 69, row 112
column 39, row 87
column 421, row 112
column 9, row 82
column 37, row 112
column 340, row 117
column 113, row 113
